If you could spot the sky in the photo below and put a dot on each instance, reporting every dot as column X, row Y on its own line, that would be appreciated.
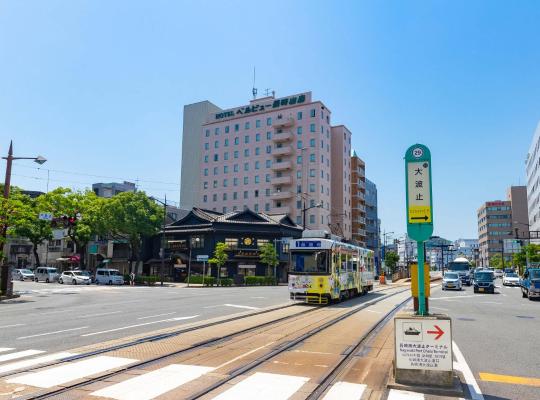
column 98, row 87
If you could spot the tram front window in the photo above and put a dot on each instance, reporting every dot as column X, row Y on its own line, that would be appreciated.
column 312, row 262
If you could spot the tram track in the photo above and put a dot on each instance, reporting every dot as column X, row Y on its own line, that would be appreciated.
column 209, row 342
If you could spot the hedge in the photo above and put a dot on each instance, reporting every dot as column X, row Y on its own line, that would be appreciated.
column 226, row 282
column 198, row 279
column 259, row 280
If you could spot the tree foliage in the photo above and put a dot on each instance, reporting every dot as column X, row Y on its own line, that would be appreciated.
column 495, row 261
column 269, row 255
column 391, row 259
column 220, row 257
column 520, row 259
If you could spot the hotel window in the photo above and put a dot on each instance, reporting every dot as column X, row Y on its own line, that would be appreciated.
column 246, row 152
column 312, row 112
column 298, row 174
column 246, row 125
column 268, row 149
column 312, row 127
column 312, row 203
column 246, row 166
column 267, row 192
column 299, row 130
column 225, row 183
column 216, row 157
column 312, row 157
column 298, row 220
column 216, row 131
column 299, row 160
column 256, row 207
column 322, row 189
column 268, row 163
column 257, row 164
column 257, row 179
column 206, row 172
column 225, row 169
column 206, row 146
column 235, row 195
column 299, row 144
column 206, row 158
column 216, row 144
column 246, row 139
column 312, row 188
column 207, row 133
column 246, row 180
column 224, row 210
column 312, row 142
column 262, row 242
column 235, row 167
column 267, row 178
column 322, row 114
column 257, row 137
column 267, row 207
column 257, row 151
column 231, row 243
column 312, row 219
column 215, row 170
column 214, row 184
column 245, row 194
column 322, row 174
column 236, row 127
column 205, row 185
column 298, row 188
column 322, row 144
column 327, row 119
column 214, row 197
column 226, row 143
column 236, row 140
column 205, row 198
column 224, row 196
column 322, row 159
column 299, row 115
column 268, row 121
column 226, row 155
column 258, row 123
column 235, row 154
column 227, row 129
column 298, row 204
column 312, row 173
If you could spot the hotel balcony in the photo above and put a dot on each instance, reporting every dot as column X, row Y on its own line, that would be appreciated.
column 281, row 195
column 282, row 151
column 281, row 180
column 279, row 166
column 280, row 210
column 360, row 232
column 282, row 137
column 284, row 122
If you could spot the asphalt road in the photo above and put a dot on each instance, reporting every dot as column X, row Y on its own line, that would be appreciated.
column 497, row 334
column 53, row 317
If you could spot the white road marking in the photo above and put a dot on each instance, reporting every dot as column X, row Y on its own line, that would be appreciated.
column 243, row 355
column 490, row 302
column 373, row 311
column 440, row 308
column 20, row 354
column 311, row 352
column 2, row 349
column 404, row 395
column 11, row 326
column 66, row 373
column 137, row 325
column 453, row 297
column 99, row 315
column 461, row 365
column 52, row 333
column 345, row 390
column 157, row 315
column 153, row 384
column 264, row 386
column 258, row 297
column 34, row 361
column 239, row 306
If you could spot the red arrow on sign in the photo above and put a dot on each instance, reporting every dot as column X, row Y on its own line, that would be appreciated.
column 439, row 332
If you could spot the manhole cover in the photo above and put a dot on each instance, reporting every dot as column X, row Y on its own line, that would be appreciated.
column 525, row 316
column 466, row 319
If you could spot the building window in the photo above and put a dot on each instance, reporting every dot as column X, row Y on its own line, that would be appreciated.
column 216, row 131
column 257, row 137
column 267, row 192
column 299, row 115
column 235, row 195
column 236, row 140
column 246, row 152
column 312, row 142
column 245, row 194
column 232, row 243
column 312, row 127
column 246, row 166
column 299, row 160
column 258, row 123
column 312, row 188
column 235, row 167
column 312, row 219
column 257, row 151
column 197, row 242
column 246, row 180
column 268, row 163
column 235, row 181
column 206, row 146
column 207, row 133
column 227, row 129
column 312, row 113
column 257, row 179
column 214, row 184
column 312, row 157
column 215, row 170
column 224, row 196
column 298, row 204
column 236, row 127
column 268, row 149
column 205, row 199
column 267, row 207
column 226, row 155
column 214, row 197
column 312, row 173
column 246, row 125
column 225, row 183
column 226, row 143
column 224, row 209
column 257, row 163
column 216, row 157
column 299, row 144
column 246, row 139
column 267, row 178
column 205, row 185
column 268, row 135
column 268, row 121
column 299, row 130
column 216, row 144
column 206, row 172
column 206, row 158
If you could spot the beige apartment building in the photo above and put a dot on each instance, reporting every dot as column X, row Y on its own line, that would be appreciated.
column 358, row 199
column 499, row 221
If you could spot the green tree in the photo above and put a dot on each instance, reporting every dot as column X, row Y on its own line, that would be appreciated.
column 131, row 216
column 269, row 257
column 220, row 257
column 520, row 259
column 391, row 259
column 495, row 261
column 12, row 212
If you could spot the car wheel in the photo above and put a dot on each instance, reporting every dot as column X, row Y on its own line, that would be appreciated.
column 523, row 294
column 47, row 280
column 529, row 295
column 35, row 279
column 110, row 282
column 61, row 281
column 74, row 281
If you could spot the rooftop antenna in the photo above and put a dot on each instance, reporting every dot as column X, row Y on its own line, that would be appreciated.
column 268, row 91
column 254, row 90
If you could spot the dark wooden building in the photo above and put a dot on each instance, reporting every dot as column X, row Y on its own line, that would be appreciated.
column 244, row 232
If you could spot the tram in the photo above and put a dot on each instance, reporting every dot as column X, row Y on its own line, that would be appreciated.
column 324, row 269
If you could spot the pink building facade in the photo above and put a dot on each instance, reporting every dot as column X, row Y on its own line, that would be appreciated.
column 274, row 156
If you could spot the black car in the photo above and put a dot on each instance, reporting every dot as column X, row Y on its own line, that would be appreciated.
column 484, row 282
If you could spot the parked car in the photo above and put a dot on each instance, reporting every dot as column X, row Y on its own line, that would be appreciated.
column 88, row 274
column 47, row 274
column 499, row 273
column 530, row 283
column 108, row 276
column 510, row 279
column 484, row 282
column 74, row 277
column 451, row 280
column 22, row 274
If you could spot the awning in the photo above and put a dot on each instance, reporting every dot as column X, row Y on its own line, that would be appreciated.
column 75, row 258
column 62, row 259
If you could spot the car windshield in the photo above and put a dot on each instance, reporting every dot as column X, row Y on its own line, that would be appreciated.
column 535, row 274
column 458, row 266
column 511, row 275
column 51, row 270
column 79, row 273
column 115, row 273
column 26, row 271
column 484, row 276
column 309, row 261
column 450, row 275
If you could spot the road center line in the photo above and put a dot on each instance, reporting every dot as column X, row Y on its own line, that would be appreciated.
column 461, row 365
column 243, row 355
column 516, row 380
column 157, row 315
column 52, row 333
column 137, row 325
column 11, row 326
column 99, row 315
column 240, row 306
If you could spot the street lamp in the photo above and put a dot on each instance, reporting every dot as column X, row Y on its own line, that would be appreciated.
column 5, row 287
column 385, row 234
column 528, row 238
column 197, row 240
column 304, row 209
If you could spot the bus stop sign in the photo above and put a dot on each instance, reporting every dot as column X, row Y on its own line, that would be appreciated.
column 418, row 187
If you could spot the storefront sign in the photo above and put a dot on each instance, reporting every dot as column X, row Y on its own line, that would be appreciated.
column 247, row 253
column 256, row 108
column 308, row 243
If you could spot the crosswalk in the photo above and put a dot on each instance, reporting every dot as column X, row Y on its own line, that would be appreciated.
column 149, row 384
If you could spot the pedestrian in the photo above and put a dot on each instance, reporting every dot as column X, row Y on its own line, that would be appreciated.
column 132, row 279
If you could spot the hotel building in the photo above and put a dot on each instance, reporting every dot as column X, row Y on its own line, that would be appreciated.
column 274, row 155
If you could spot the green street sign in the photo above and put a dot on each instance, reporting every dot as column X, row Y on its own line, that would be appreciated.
column 418, row 189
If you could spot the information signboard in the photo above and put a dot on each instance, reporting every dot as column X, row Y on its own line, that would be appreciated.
column 202, row 257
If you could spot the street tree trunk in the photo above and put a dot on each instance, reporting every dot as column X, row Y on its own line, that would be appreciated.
column 36, row 255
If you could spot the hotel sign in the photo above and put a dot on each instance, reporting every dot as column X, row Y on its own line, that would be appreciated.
column 256, row 108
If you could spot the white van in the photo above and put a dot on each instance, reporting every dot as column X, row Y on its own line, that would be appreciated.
column 108, row 276
column 47, row 274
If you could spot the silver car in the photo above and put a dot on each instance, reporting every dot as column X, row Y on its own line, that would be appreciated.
column 23, row 274
column 451, row 281
column 74, row 277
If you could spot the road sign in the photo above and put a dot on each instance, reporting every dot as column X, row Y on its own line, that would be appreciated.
column 46, row 216
column 423, row 343
column 202, row 257
column 418, row 187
